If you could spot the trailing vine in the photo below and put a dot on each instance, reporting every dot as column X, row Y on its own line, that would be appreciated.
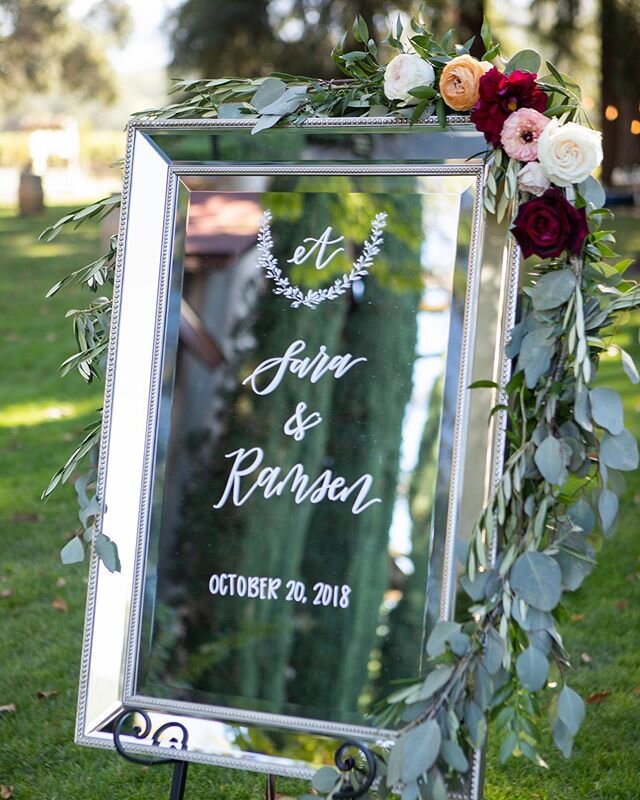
column 567, row 445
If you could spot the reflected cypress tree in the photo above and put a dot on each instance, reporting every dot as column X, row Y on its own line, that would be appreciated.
column 240, row 646
column 277, row 652
column 400, row 657
column 344, row 549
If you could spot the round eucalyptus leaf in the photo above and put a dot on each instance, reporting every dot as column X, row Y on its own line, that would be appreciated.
column 438, row 788
column 108, row 552
column 440, row 635
column 484, row 687
column 507, row 746
column 581, row 409
column 532, row 669
column 535, row 354
column 608, row 509
column 606, row 410
column 562, row 738
column 537, row 578
column 494, row 649
column 525, row 60
column 571, row 709
column 72, row 552
column 534, row 620
column 575, row 567
column 592, row 192
column 553, row 289
column 268, row 92
column 620, row 451
column 459, row 643
column 475, row 588
column 552, row 458
column 410, row 791
column 582, row 516
column 541, row 641
column 476, row 723
column 324, row 780
column 420, row 750
column 454, row 755
column 435, row 680
column 629, row 367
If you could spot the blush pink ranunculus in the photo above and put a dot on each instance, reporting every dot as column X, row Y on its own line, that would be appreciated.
column 520, row 133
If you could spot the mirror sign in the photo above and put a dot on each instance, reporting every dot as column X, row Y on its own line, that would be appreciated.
column 288, row 433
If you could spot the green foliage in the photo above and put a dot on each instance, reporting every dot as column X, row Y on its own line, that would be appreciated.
column 213, row 38
column 43, row 48
column 284, row 98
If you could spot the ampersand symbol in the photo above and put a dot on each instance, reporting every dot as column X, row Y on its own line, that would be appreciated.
column 297, row 425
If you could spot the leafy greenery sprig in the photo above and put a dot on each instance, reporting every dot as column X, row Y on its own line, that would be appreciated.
column 566, row 443
column 292, row 99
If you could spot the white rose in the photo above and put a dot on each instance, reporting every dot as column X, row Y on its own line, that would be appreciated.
column 569, row 153
column 532, row 179
column 404, row 72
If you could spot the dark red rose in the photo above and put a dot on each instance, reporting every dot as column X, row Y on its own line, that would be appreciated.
column 548, row 225
column 500, row 96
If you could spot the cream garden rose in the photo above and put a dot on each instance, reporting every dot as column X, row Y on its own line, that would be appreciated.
column 569, row 153
column 404, row 72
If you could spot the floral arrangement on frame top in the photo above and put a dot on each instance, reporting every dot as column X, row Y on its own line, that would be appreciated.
column 567, row 444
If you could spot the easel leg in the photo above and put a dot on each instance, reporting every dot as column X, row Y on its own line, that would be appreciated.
column 270, row 791
column 179, row 780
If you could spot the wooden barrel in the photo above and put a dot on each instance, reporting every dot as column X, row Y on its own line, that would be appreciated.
column 30, row 196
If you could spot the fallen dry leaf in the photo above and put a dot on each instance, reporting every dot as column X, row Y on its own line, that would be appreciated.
column 60, row 583
column 9, row 708
column 6, row 593
column 597, row 697
column 577, row 618
column 622, row 605
column 6, row 792
column 637, row 690
column 47, row 694
column 586, row 658
column 26, row 516
column 60, row 605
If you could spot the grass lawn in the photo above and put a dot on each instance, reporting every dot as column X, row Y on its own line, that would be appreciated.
column 42, row 602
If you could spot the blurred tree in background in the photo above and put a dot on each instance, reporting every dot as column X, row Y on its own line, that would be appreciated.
column 45, row 48
column 559, row 23
column 254, row 37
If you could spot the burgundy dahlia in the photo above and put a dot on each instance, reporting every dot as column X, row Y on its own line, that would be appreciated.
column 548, row 225
column 500, row 96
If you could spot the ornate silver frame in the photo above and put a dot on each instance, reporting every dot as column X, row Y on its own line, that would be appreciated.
column 145, row 256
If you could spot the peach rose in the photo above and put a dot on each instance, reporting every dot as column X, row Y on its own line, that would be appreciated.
column 459, row 82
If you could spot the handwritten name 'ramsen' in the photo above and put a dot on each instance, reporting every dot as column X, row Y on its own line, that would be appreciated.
column 274, row 369
column 271, row 481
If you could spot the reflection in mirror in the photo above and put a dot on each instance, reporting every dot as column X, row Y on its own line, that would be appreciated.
column 304, row 444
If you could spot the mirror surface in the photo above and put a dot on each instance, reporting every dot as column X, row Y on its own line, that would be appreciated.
column 291, row 459
column 301, row 437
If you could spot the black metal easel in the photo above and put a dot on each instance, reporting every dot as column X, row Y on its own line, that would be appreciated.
column 357, row 779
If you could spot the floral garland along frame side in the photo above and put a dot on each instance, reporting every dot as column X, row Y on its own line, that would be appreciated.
column 567, row 442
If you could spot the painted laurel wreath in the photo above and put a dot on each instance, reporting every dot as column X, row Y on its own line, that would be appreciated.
column 312, row 298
